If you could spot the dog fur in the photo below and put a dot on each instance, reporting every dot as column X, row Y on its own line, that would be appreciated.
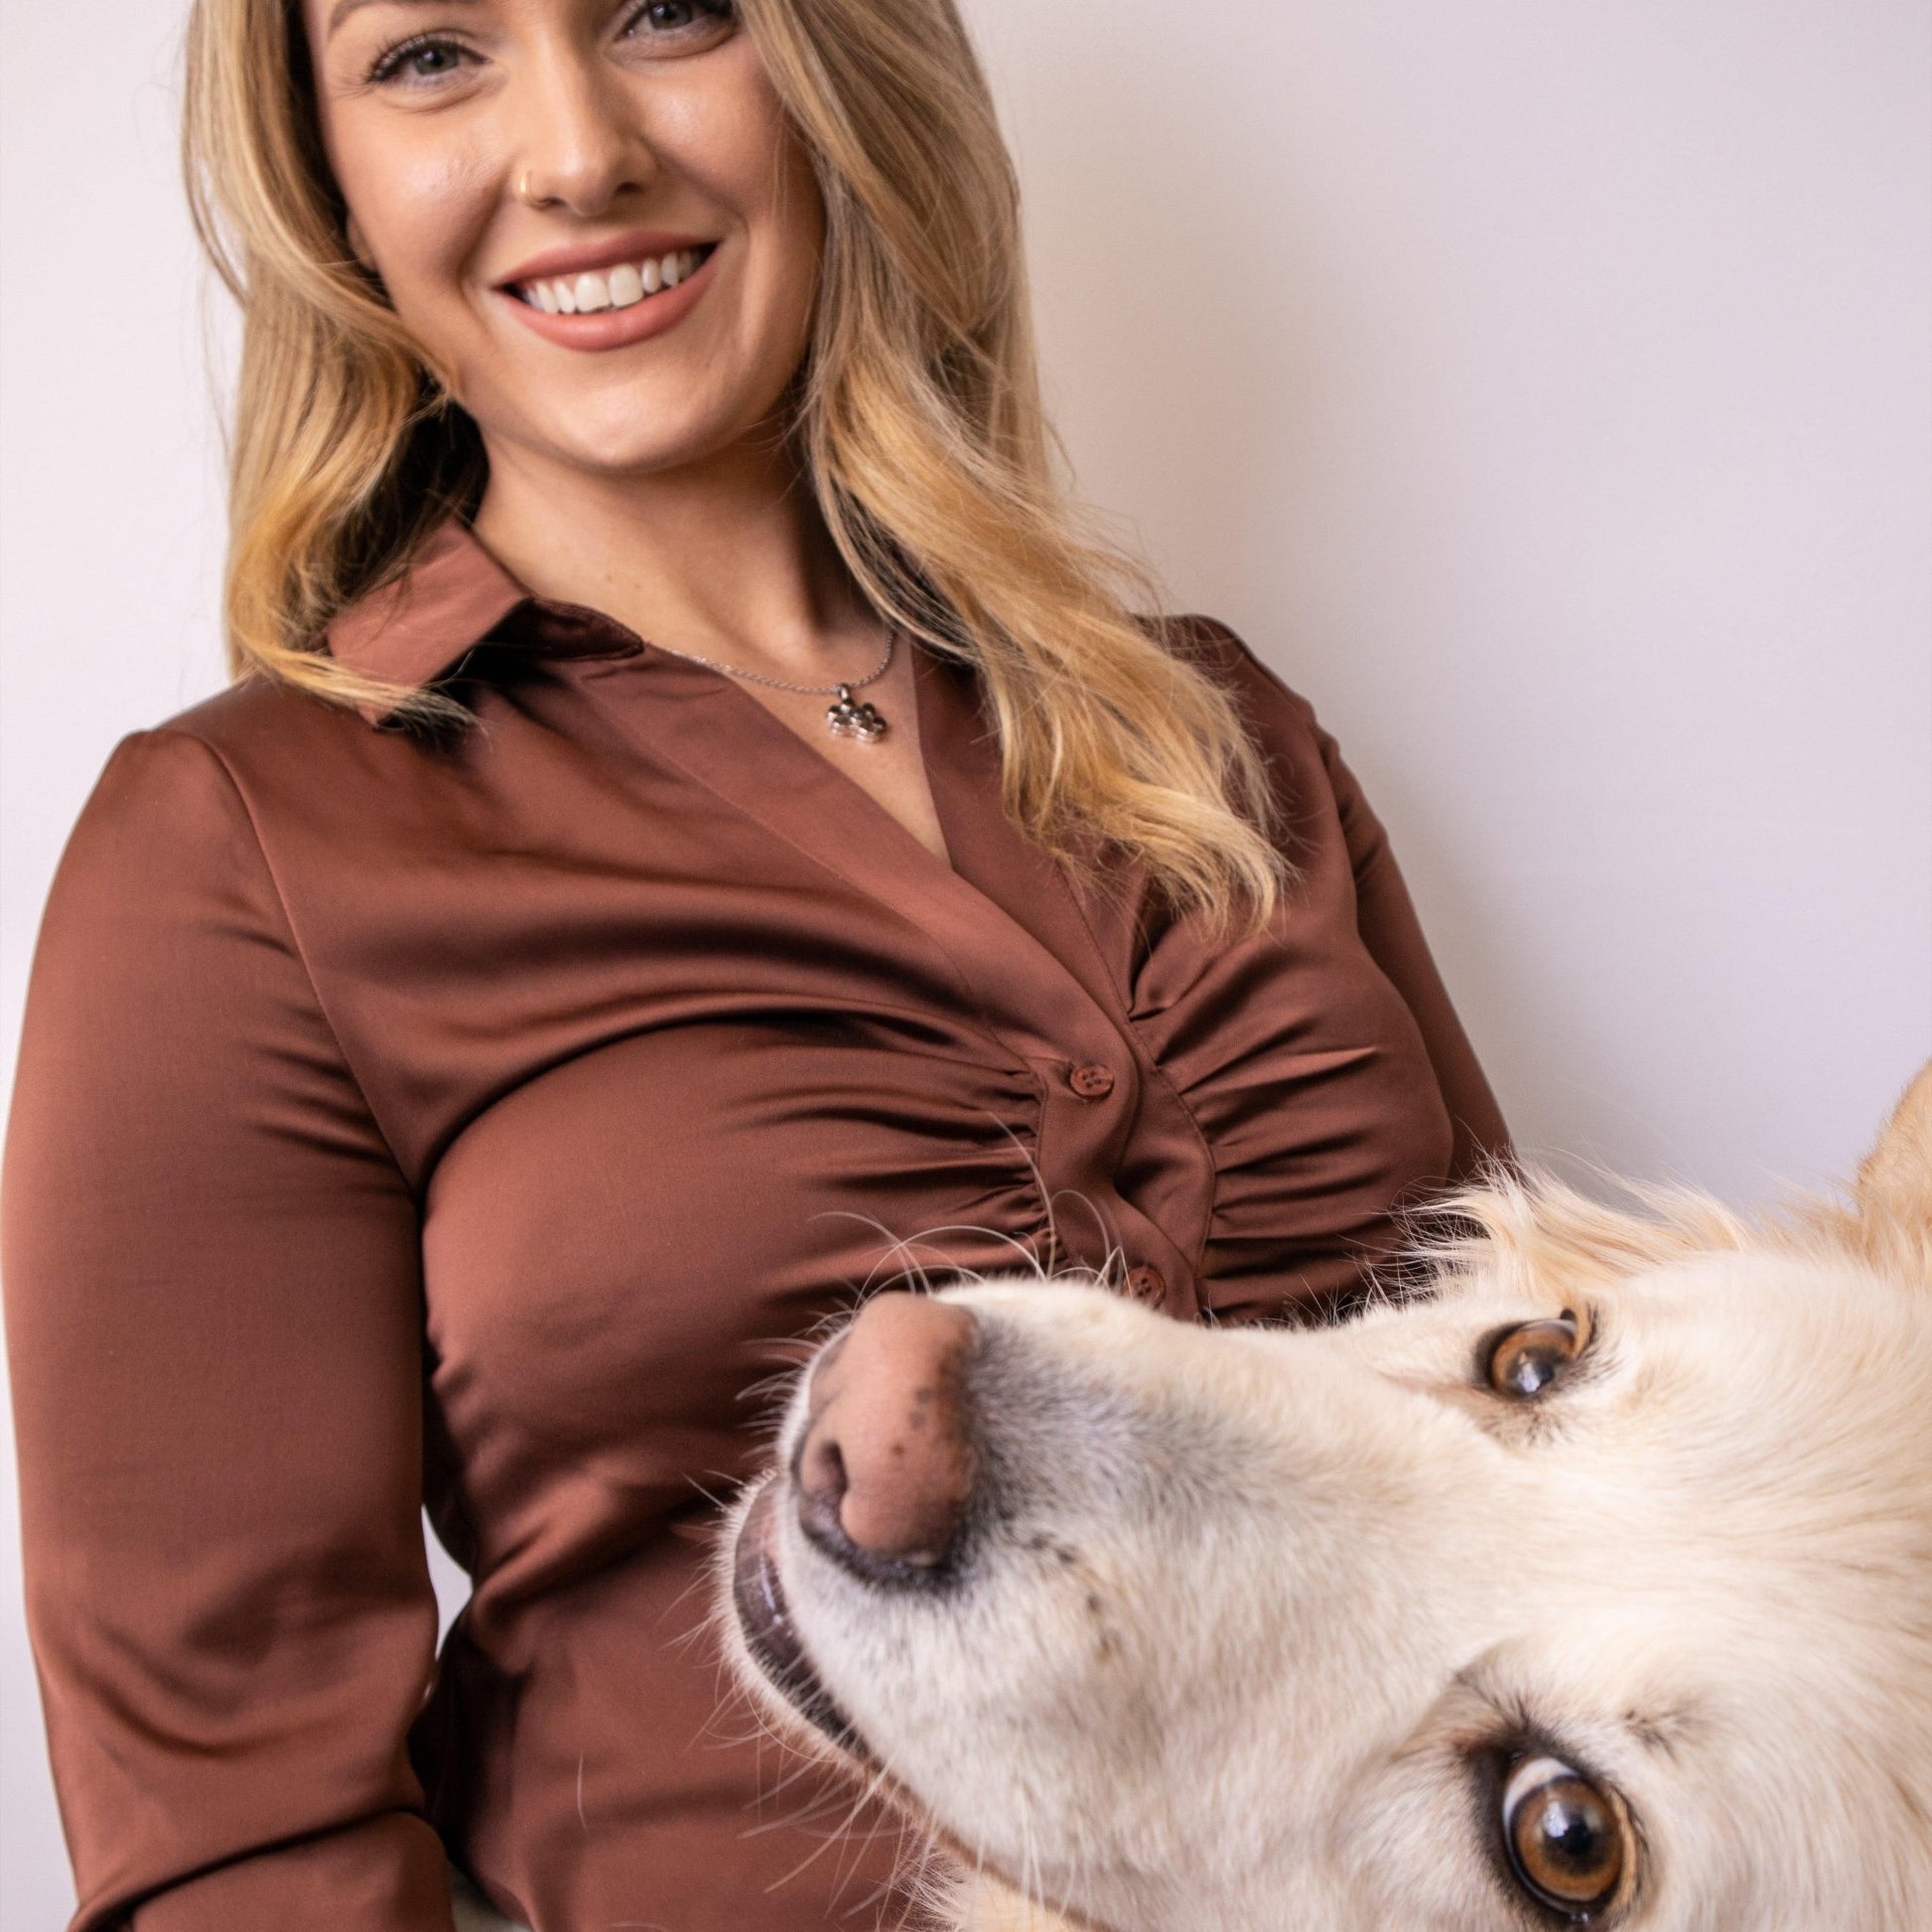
column 1248, row 1626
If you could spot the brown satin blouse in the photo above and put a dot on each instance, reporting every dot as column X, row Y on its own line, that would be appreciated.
column 481, row 1122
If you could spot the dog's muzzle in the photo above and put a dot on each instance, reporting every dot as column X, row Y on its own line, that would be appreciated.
column 878, row 1481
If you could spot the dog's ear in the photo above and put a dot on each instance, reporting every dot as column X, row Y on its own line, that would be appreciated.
column 1896, row 1182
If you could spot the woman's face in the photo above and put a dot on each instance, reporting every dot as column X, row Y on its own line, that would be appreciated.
column 591, row 213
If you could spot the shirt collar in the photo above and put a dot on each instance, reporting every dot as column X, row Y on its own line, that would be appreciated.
column 418, row 628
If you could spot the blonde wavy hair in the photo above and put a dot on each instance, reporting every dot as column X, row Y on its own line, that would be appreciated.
column 919, row 423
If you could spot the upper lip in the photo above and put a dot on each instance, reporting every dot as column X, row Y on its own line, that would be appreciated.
column 641, row 245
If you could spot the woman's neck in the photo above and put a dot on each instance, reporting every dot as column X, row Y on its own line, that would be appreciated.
column 728, row 558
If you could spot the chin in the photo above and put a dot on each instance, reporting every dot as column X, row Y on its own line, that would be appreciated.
column 606, row 421
column 640, row 435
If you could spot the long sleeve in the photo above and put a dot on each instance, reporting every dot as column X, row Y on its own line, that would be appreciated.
column 214, row 1324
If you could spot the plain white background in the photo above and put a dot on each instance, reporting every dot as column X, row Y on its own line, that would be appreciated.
column 1545, row 389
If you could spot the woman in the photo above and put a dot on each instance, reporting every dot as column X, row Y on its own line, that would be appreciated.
column 696, row 834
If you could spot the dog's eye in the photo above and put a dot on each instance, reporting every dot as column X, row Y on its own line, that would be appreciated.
column 1564, row 1837
column 1525, row 1360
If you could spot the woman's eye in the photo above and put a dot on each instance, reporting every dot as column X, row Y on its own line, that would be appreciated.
column 1525, row 1360
column 1564, row 1835
column 418, row 61
column 681, row 20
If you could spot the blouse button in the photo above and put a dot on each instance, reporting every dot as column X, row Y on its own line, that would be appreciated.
column 1146, row 1285
column 1091, row 1082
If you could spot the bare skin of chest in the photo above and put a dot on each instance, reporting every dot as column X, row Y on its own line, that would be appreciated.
column 891, row 769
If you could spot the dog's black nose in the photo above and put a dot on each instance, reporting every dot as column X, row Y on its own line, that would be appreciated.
column 886, row 1465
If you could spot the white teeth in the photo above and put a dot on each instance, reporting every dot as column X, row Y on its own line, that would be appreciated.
column 619, row 288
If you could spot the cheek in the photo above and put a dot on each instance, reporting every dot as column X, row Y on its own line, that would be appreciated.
column 736, row 147
column 419, row 212
column 800, row 212
column 789, row 233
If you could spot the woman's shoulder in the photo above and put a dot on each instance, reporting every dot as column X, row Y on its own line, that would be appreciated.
column 1222, row 653
column 207, row 767
column 1311, row 778
column 255, row 720
column 174, row 813
column 163, row 826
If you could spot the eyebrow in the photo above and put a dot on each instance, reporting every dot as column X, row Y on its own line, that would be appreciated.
column 1658, row 1730
column 341, row 10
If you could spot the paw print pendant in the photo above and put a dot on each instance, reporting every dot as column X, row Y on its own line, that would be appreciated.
column 851, row 716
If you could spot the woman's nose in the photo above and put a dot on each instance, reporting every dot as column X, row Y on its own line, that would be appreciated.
column 887, row 1466
column 581, row 144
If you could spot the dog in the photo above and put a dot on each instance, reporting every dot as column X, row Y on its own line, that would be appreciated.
column 1590, row 1585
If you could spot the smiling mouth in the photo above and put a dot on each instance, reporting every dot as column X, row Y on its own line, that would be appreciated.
column 764, row 1620
column 621, row 286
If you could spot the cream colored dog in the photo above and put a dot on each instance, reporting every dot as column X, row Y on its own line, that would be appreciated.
column 1594, row 1589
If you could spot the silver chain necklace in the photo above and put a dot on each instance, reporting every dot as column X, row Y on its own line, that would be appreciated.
column 845, row 716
